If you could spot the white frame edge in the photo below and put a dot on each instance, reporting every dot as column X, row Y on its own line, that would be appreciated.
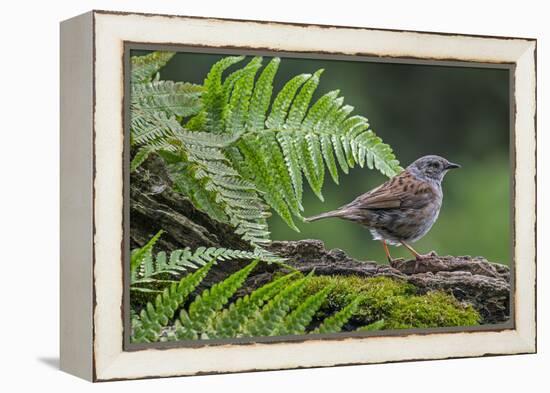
column 111, row 30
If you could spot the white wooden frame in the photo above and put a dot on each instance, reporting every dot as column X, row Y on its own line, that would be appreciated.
column 92, row 194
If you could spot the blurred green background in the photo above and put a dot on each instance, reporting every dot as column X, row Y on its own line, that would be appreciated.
column 461, row 113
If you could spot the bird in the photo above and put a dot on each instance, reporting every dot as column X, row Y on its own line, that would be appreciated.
column 403, row 209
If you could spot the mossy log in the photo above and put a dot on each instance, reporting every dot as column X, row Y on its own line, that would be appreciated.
column 154, row 206
column 483, row 284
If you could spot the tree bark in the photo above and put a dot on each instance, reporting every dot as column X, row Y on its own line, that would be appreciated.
column 154, row 206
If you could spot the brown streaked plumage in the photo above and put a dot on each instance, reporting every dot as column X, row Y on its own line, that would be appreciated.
column 403, row 209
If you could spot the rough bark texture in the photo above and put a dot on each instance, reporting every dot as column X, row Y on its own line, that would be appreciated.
column 153, row 205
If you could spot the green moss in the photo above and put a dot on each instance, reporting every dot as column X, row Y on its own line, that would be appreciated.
column 435, row 309
column 395, row 302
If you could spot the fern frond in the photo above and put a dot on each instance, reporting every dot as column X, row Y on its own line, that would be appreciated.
column 184, row 182
column 154, row 317
column 297, row 139
column 378, row 325
column 182, row 260
column 246, row 108
column 158, row 125
column 229, row 322
column 265, row 176
column 298, row 320
column 271, row 317
column 204, row 307
column 173, row 98
column 301, row 102
column 292, row 161
column 140, row 255
column 144, row 68
column 278, row 163
column 239, row 101
column 313, row 166
column 283, row 100
column 183, row 331
column 335, row 322
column 148, row 128
column 214, row 95
column 261, row 97
column 230, row 192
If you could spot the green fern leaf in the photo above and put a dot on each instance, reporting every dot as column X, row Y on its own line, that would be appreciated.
column 328, row 155
column 276, row 121
column 183, row 331
column 239, row 101
column 298, row 320
column 278, row 168
column 261, row 97
column 153, row 269
column 153, row 318
column 204, row 307
column 301, row 101
column 378, row 325
column 314, row 167
column 292, row 161
column 138, row 256
column 265, row 178
column 281, row 105
column 329, row 125
column 348, row 126
column 185, row 182
column 230, row 321
column 143, row 68
column 214, row 95
column 172, row 98
column 334, row 323
column 197, row 122
column 148, row 128
column 272, row 315
column 339, row 152
column 228, row 85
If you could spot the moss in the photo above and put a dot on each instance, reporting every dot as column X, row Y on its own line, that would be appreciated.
column 396, row 302
column 435, row 309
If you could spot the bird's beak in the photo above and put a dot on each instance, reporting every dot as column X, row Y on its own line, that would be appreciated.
column 451, row 165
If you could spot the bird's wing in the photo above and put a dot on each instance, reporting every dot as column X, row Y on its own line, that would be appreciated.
column 393, row 194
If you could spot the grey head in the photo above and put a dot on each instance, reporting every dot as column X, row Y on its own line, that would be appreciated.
column 432, row 168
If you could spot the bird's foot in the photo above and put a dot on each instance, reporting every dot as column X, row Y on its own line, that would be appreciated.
column 395, row 261
column 422, row 257
column 429, row 255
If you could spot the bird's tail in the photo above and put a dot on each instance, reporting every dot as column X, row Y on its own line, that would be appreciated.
column 334, row 213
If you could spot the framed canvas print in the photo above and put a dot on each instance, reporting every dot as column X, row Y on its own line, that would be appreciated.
column 245, row 195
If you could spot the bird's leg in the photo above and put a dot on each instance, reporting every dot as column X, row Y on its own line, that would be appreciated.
column 387, row 251
column 417, row 256
column 412, row 250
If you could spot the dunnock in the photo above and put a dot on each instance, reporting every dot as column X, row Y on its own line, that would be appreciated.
column 403, row 209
